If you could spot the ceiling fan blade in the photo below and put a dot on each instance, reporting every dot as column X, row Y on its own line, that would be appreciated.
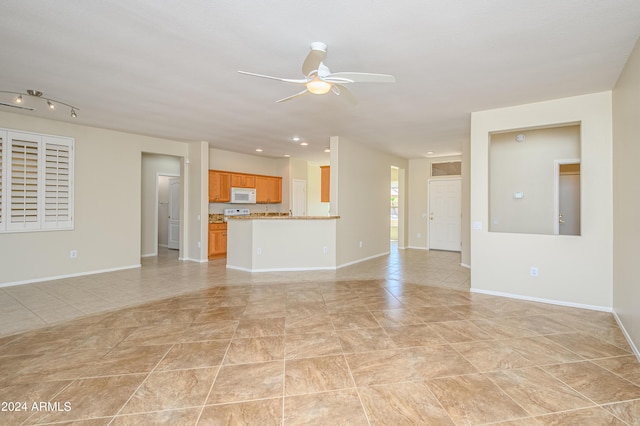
column 344, row 93
column 288, row 98
column 314, row 58
column 362, row 77
column 288, row 80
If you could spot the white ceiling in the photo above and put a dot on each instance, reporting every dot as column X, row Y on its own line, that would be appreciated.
column 169, row 68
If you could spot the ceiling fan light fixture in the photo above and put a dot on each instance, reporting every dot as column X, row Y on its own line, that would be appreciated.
column 318, row 87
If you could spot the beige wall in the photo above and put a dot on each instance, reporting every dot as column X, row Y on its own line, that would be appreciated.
column 107, row 216
column 626, row 203
column 194, row 242
column 573, row 270
column 152, row 166
column 242, row 163
column 314, row 206
column 465, row 231
column 361, row 179
column 527, row 167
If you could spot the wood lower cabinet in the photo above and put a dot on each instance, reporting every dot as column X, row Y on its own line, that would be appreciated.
column 325, row 183
column 217, row 240
column 268, row 189
column 219, row 187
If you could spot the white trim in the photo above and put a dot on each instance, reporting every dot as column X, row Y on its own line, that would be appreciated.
column 464, row 265
column 634, row 348
column 419, row 248
column 363, row 259
column 78, row 274
column 537, row 299
column 188, row 259
column 322, row 268
column 149, row 254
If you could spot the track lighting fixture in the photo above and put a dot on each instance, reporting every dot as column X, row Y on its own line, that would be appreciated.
column 51, row 103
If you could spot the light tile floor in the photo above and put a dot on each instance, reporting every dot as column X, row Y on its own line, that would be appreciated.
column 395, row 340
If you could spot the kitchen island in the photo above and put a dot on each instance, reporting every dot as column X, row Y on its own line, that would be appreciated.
column 281, row 243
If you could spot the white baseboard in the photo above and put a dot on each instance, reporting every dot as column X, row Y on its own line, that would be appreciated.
column 464, row 265
column 362, row 260
column 322, row 268
column 59, row 277
column 149, row 254
column 634, row 348
column 418, row 248
column 537, row 299
column 188, row 259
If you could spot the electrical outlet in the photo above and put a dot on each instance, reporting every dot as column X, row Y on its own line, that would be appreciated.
column 73, row 254
column 360, row 244
column 419, row 235
column 259, row 251
column 534, row 271
column 198, row 244
column 325, row 250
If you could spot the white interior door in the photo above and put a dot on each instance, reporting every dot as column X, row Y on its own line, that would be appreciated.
column 569, row 204
column 445, row 214
column 299, row 202
column 174, row 214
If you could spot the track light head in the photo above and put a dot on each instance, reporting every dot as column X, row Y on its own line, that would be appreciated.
column 51, row 103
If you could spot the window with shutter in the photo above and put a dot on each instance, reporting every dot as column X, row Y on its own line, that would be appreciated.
column 2, row 180
column 36, row 182
column 57, row 184
column 23, row 185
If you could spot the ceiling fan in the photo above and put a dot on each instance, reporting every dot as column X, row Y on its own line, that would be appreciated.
column 319, row 80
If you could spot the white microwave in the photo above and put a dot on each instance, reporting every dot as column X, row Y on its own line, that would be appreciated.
column 243, row 195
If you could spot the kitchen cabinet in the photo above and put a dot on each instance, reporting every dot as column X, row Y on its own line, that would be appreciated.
column 219, row 187
column 217, row 240
column 243, row 181
column 268, row 189
column 325, row 183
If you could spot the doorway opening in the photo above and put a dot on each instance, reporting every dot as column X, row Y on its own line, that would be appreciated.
column 567, row 199
column 394, row 204
column 161, row 204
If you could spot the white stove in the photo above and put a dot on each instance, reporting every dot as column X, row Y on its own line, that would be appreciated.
column 236, row 212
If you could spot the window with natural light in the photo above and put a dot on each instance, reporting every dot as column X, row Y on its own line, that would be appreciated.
column 36, row 182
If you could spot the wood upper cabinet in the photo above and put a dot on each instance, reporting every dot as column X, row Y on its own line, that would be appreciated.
column 268, row 189
column 243, row 181
column 325, row 183
column 219, row 187
column 217, row 240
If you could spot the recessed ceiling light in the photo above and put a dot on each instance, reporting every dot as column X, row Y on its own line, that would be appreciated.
column 327, row 150
column 295, row 138
column 304, row 143
column 258, row 149
column 430, row 152
column 287, row 155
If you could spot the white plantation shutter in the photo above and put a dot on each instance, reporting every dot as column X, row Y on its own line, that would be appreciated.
column 36, row 182
column 3, row 195
column 57, row 183
column 23, row 182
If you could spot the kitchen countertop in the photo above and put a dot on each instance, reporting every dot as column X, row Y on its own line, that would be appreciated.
column 282, row 217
